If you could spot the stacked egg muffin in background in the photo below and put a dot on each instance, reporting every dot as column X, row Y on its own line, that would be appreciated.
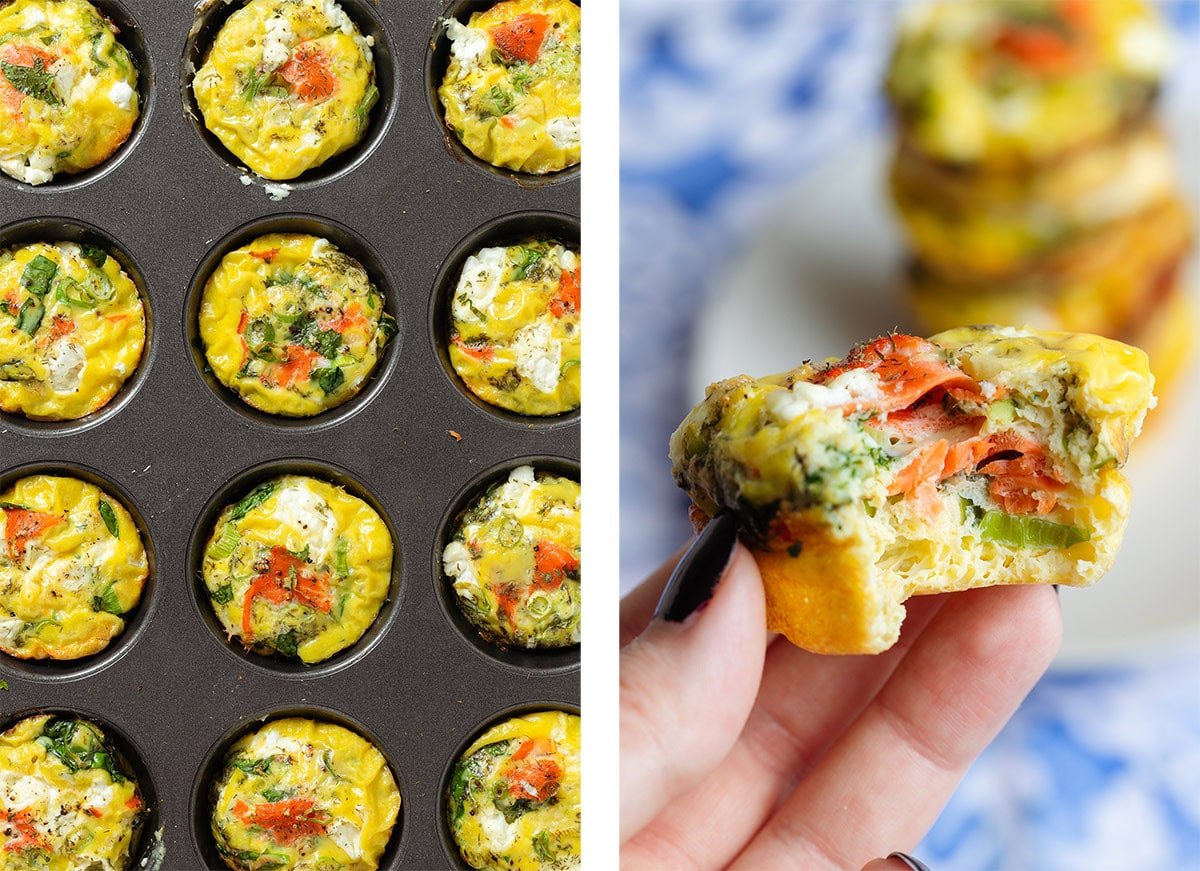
column 1032, row 179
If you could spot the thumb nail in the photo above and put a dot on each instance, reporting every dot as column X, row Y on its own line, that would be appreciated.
column 699, row 571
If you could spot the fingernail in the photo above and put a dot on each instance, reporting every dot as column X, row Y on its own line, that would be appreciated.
column 914, row 864
column 697, row 574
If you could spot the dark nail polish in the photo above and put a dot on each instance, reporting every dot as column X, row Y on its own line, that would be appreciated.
column 697, row 574
column 914, row 864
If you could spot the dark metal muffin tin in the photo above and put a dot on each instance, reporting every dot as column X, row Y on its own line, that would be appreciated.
column 175, row 446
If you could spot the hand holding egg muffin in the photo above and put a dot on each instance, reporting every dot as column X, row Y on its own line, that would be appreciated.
column 68, row 89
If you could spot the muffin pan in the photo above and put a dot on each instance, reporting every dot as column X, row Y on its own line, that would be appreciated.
column 175, row 446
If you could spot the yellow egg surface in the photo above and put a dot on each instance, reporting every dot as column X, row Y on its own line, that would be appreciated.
column 72, row 565
column 298, row 567
column 287, row 85
column 515, row 561
column 514, row 797
column 511, row 90
column 65, row 801
column 304, row 795
column 72, row 330
column 68, row 88
column 515, row 337
column 293, row 325
column 1005, row 83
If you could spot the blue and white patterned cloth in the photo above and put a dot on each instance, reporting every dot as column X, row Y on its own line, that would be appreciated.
column 723, row 101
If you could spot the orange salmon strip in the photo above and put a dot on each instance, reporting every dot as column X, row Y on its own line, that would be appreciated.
column 522, row 37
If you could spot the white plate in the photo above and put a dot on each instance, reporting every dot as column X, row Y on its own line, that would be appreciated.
column 819, row 274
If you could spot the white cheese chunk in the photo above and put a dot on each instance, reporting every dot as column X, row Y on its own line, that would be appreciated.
column 499, row 832
column 564, row 131
column 855, row 385
column 278, row 42
column 310, row 518
column 467, row 44
column 66, row 361
column 121, row 95
column 348, row 837
column 479, row 283
column 539, row 356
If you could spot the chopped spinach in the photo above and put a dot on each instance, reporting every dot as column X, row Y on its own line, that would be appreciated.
column 258, row 496
column 106, row 600
column 110, row 519
column 35, row 81
column 223, row 594
column 38, row 274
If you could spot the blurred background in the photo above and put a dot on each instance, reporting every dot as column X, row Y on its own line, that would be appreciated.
column 761, row 223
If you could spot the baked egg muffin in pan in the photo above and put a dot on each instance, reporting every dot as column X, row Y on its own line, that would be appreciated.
column 68, row 89
column 515, row 330
column 297, row 567
column 302, row 794
column 513, row 799
column 287, row 84
column 292, row 325
column 1101, row 284
column 1010, row 83
column 72, row 567
column 511, row 89
column 995, row 224
column 67, row 798
column 72, row 329
column 514, row 561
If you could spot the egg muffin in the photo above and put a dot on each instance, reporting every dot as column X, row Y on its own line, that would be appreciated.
column 514, row 561
column 72, row 567
column 304, row 795
column 515, row 327
column 511, row 90
column 1102, row 282
column 72, row 330
column 298, row 567
column 982, row 456
column 66, row 800
column 994, row 225
column 293, row 325
column 1009, row 83
column 514, row 797
column 68, row 89
column 287, row 84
